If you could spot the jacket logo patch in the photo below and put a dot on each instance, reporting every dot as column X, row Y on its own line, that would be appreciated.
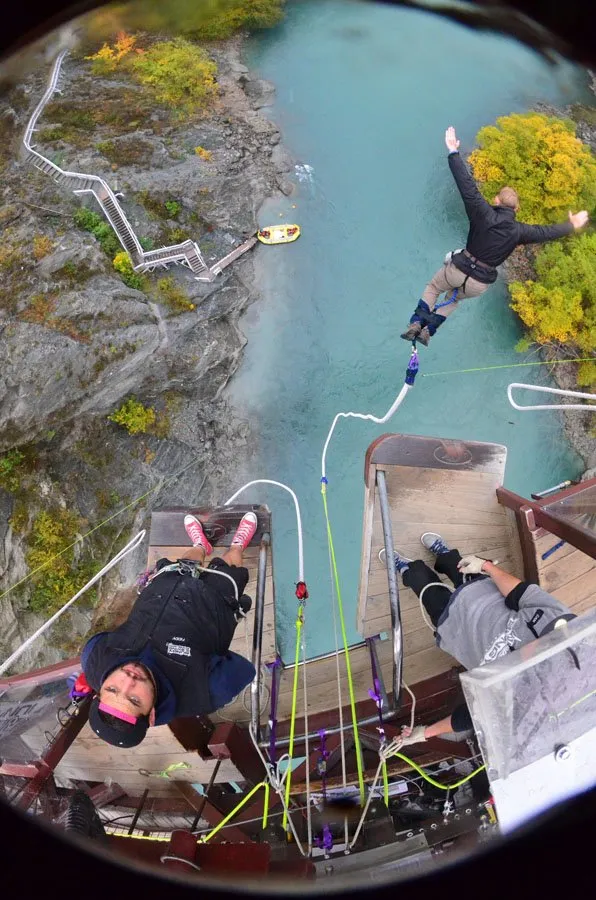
column 177, row 649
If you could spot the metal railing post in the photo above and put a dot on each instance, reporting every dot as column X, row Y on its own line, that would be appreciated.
column 257, row 637
column 393, row 589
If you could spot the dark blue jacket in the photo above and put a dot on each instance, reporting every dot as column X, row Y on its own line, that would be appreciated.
column 181, row 630
column 494, row 231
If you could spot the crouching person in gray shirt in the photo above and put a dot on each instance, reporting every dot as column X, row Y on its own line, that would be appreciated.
column 488, row 615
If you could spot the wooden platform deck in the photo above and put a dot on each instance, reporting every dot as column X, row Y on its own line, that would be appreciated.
column 91, row 759
column 451, row 492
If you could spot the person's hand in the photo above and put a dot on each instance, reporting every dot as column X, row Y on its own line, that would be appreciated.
column 451, row 139
column 579, row 219
column 412, row 735
column 471, row 565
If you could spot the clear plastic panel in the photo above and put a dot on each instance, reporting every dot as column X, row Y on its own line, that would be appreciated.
column 578, row 509
column 28, row 715
column 529, row 704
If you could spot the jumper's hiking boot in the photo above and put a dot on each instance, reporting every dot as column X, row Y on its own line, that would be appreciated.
column 194, row 530
column 412, row 331
column 424, row 336
column 400, row 562
column 434, row 542
column 245, row 531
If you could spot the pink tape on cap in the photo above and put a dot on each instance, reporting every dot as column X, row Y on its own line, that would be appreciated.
column 118, row 713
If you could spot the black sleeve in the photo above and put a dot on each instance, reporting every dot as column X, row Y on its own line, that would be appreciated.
column 539, row 234
column 474, row 202
column 513, row 597
column 461, row 720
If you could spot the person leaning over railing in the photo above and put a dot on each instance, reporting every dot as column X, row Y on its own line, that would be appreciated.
column 171, row 657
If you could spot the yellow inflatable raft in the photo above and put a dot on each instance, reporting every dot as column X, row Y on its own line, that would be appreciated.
column 279, row 234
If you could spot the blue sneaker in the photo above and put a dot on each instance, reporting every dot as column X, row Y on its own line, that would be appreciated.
column 401, row 562
column 434, row 543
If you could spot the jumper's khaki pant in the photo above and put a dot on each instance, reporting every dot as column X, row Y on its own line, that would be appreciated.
column 447, row 279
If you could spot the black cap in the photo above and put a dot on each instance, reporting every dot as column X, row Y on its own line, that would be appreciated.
column 116, row 727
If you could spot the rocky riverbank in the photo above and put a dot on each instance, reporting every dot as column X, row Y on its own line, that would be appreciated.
column 76, row 340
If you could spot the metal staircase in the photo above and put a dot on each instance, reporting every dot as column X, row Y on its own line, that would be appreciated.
column 187, row 253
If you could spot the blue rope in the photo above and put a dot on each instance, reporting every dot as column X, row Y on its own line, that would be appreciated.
column 448, row 302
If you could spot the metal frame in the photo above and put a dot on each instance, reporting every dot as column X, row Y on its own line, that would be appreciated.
column 396, row 628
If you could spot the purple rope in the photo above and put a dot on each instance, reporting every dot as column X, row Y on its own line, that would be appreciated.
column 273, row 714
column 326, row 842
column 375, row 692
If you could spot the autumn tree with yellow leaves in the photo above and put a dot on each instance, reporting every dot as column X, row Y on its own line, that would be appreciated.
column 553, row 172
column 177, row 72
column 540, row 156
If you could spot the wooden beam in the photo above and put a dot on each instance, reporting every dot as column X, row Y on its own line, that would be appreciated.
column 193, row 732
column 228, row 741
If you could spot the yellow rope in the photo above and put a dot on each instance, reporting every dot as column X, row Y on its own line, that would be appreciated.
column 299, row 623
column 230, row 815
column 266, row 806
column 385, row 784
column 357, row 746
column 442, row 787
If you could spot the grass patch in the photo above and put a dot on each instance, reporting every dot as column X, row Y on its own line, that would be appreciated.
column 42, row 245
column 158, row 206
column 40, row 311
column 74, row 273
column 11, row 260
column 127, row 152
column 113, row 354
column 581, row 113
column 171, row 294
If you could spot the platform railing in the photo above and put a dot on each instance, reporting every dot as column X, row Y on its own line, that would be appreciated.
column 257, row 636
column 533, row 514
column 396, row 629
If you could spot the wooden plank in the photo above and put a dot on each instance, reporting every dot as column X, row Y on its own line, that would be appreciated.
column 579, row 593
column 556, row 576
column 167, row 525
column 438, row 453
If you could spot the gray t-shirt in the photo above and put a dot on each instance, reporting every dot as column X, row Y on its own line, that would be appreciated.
column 477, row 626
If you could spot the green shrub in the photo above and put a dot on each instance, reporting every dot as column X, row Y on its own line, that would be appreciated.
column 173, row 207
column 99, row 228
column 123, row 265
column 540, row 156
column 178, row 73
column 10, row 466
column 132, row 415
column 207, row 19
column 231, row 16
column 561, row 304
column 60, row 574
